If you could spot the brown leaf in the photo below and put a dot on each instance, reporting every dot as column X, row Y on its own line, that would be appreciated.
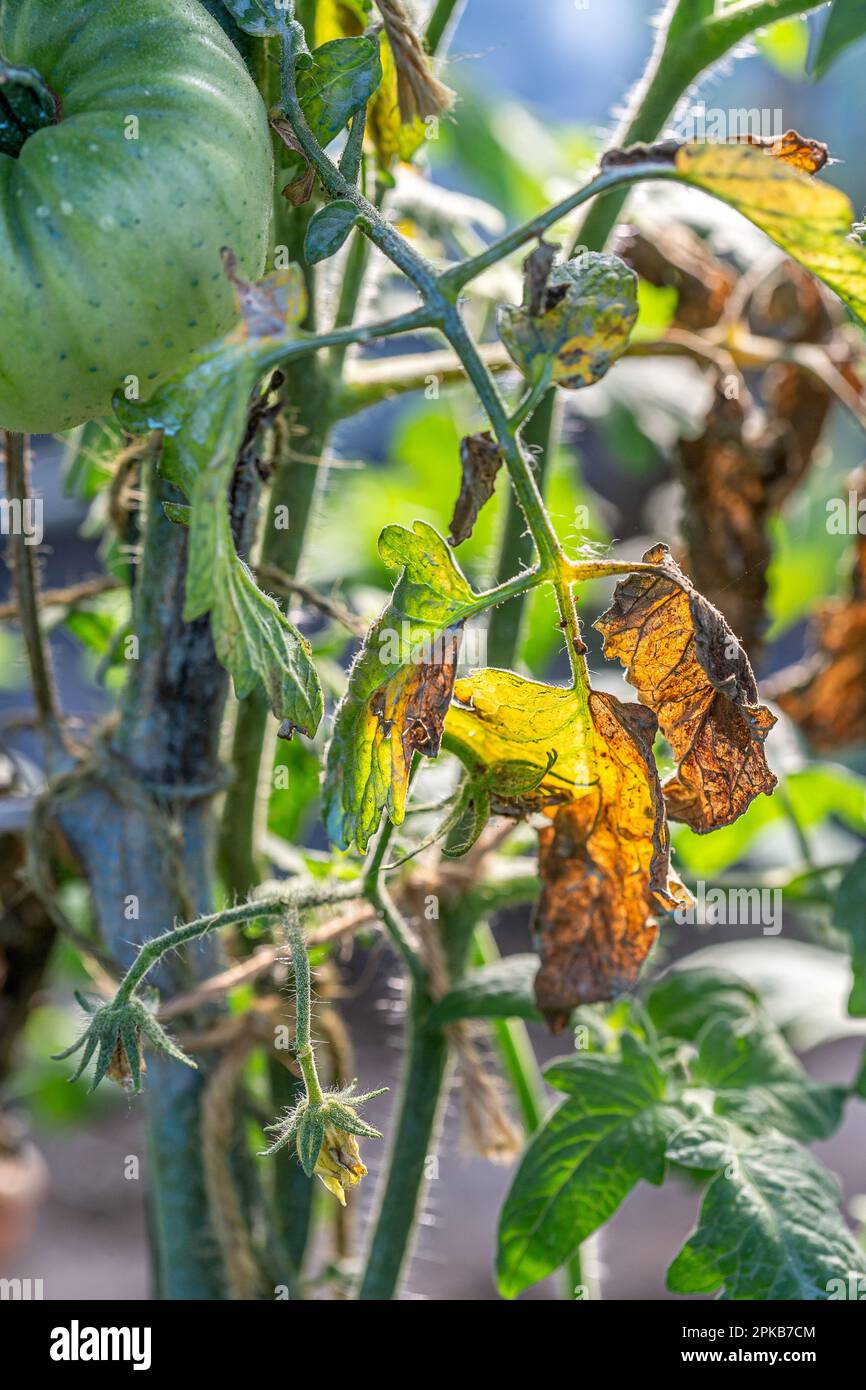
column 604, row 866
column 536, row 273
column 809, row 156
column 298, row 190
column 675, row 257
column 688, row 666
column 480, row 461
column 826, row 695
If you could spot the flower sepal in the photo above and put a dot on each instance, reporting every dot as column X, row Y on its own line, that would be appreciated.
column 115, row 1033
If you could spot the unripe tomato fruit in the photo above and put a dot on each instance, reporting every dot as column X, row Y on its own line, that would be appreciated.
column 112, row 218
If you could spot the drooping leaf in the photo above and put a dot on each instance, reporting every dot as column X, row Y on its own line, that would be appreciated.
column 845, row 24
column 204, row 415
column 689, row 668
column 604, row 862
column 849, row 916
column 502, row 989
column 399, row 687
column 676, row 257
column 769, row 1226
column 609, row 1133
column 826, row 695
column 480, row 461
column 585, row 314
column 757, row 1081
column 328, row 229
column 809, row 219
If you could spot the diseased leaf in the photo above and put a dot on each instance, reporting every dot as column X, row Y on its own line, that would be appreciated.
column 328, row 229
column 845, row 24
column 688, row 667
column 758, row 1082
column 500, row 990
column 585, row 315
column 480, row 461
column 798, row 151
column 675, row 257
column 399, row 686
column 394, row 136
column 604, row 862
column 609, row 1133
column 826, row 695
column 769, row 1226
column 810, row 220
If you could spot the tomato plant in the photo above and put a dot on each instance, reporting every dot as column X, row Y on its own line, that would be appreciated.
column 262, row 690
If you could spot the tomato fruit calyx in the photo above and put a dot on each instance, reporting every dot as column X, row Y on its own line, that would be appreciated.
column 27, row 104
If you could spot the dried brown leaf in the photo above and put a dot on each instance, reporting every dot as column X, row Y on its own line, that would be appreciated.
column 675, row 257
column 689, row 668
column 480, row 461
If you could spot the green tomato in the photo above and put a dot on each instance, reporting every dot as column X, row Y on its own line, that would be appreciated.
column 113, row 215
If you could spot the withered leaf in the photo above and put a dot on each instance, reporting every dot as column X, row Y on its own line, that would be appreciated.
column 675, row 257
column 688, row 667
column 536, row 273
column 300, row 172
column 585, row 761
column 480, row 461
column 826, row 695
column 809, row 156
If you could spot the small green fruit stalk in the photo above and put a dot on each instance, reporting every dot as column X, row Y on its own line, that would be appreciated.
column 323, row 1125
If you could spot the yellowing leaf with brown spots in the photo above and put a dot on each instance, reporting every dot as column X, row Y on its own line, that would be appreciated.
column 690, row 669
column 399, row 686
column 604, row 862
column 810, row 220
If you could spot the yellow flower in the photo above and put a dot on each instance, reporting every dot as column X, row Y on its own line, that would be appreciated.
column 339, row 1163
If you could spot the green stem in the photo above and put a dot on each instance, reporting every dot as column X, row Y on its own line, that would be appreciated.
column 441, row 23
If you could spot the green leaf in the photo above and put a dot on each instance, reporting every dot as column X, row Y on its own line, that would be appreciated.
column 683, row 1000
column 757, row 1081
column 846, row 23
column 769, row 1226
column 341, row 79
column 204, row 415
column 399, row 686
column 849, row 917
column 502, row 989
column 263, row 18
column 609, row 1133
column 327, row 230
column 588, row 308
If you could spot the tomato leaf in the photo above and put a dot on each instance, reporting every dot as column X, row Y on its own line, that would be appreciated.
column 689, row 668
column 480, row 461
column 609, row 1133
column 682, row 1001
column 810, row 220
column 328, row 229
column 341, row 79
column 845, row 24
column 502, row 989
column 263, row 18
column 604, row 862
column 758, row 1082
column 769, row 1226
column 578, row 326
column 399, row 686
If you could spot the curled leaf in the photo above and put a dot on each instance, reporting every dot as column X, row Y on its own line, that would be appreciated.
column 604, row 862
column 690, row 669
column 675, row 257
column 480, row 461
column 808, row 156
column 585, row 314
